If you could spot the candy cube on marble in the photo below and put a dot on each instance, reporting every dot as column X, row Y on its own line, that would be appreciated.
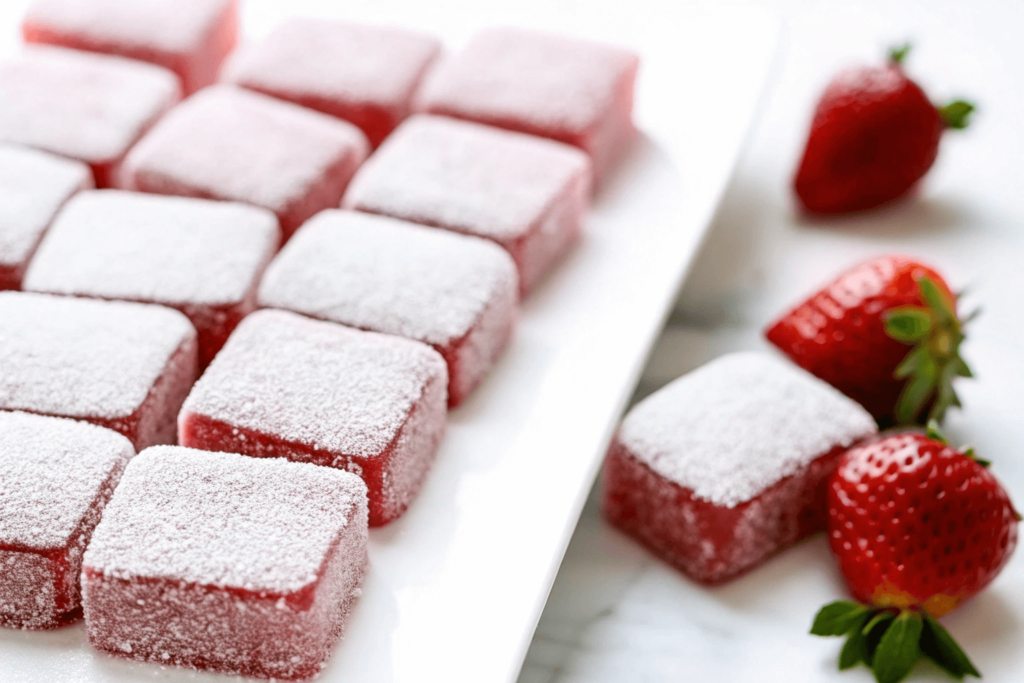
column 459, row 294
column 728, row 464
column 81, row 105
column 232, row 144
column 226, row 563
column 189, row 37
column 364, row 74
column 202, row 257
column 311, row 391
column 525, row 193
column 56, row 476
column 33, row 187
column 574, row 91
column 121, row 365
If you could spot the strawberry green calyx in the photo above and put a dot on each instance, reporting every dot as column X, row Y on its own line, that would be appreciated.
column 899, row 53
column 931, row 366
column 954, row 115
column 933, row 432
column 890, row 641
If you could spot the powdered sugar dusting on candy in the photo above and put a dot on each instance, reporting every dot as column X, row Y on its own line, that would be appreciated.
column 732, row 428
column 388, row 276
column 84, row 358
column 315, row 383
column 33, row 186
column 220, row 519
column 52, row 470
column 84, row 106
column 171, row 250
column 228, row 143
column 363, row 74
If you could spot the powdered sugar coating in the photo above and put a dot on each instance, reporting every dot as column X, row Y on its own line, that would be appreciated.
column 739, row 424
column 225, row 520
column 33, row 186
column 315, row 383
column 387, row 275
column 51, row 471
column 229, row 143
column 190, row 37
column 575, row 91
column 465, row 177
column 364, row 74
column 80, row 105
column 170, row 250
column 82, row 357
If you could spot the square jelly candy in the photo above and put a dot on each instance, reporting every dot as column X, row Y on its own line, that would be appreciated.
column 56, row 476
column 364, row 74
column 222, row 562
column 727, row 465
column 574, row 91
column 33, row 187
column 202, row 257
column 459, row 294
column 121, row 365
column 189, row 37
column 527, row 194
column 232, row 144
column 288, row 386
column 81, row 105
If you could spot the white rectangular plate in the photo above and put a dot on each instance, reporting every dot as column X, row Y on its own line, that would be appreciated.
column 456, row 586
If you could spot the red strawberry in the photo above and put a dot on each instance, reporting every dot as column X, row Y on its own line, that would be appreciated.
column 917, row 528
column 857, row 333
column 873, row 136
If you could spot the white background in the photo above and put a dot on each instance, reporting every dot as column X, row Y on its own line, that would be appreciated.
column 615, row 613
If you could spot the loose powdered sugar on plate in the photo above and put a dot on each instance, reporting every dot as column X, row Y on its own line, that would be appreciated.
column 51, row 471
column 33, row 186
column 316, row 383
column 465, row 177
column 83, row 357
column 732, row 428
column 172, row 250
column 85, row 106
column 387, row 275
column 221, row 519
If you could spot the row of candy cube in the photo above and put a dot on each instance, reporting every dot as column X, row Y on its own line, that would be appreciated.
column 215, row 560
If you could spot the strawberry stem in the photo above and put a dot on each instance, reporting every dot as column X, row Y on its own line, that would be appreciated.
column 899, row 53
column 954, row 115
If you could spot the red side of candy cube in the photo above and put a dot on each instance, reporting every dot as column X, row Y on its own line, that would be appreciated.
column 232, row 144
column 363, row 74
column 39, row 584
column 573, row 91
column 189, row 37
column 205, row 607
column 712, row 543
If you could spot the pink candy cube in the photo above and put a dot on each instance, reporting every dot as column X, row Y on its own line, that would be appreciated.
column 201, row 257
column 80, row 105
column 457, row 293
column 189, row 37
column 120, row 365
column 55, row 478
column 33, row 186
column 527, row 194
column 728, row 464
column 229, row 143
column 577, row 92
column 288, row 386
column 363, row 74
column 221, row 562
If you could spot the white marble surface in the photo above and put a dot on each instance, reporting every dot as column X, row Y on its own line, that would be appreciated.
column 618, row 614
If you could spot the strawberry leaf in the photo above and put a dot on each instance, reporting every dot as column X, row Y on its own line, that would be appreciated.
column 933, row 432
column 939, row 646
column 908, row 324
column 839, row 617
column 916, row 392
column 899, row 648
column 899, row 53
column 855, row 650
column 955, row 114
